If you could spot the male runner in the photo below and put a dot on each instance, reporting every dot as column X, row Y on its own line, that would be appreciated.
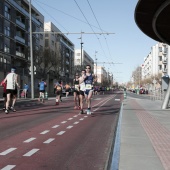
column 11, row 89
column 88, row 80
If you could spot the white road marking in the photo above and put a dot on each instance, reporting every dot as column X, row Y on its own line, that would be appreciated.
column 75, row 123
column 55, row 126
column 44, row 132
column 85, row 116
column 49, row 140
column 8, row 167
column 69, row 127
column 7, row 151
column 98, row 99
column 60, row 133
column 29, row 140
column 70, row 118
column 81, row 119
column 75, row 116
column 64, row 122
column 117, row 99
column 31, row 152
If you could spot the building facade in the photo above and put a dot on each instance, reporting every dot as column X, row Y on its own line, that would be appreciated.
column 15, row 38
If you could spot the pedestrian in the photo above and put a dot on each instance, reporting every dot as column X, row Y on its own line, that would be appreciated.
column 67, row 87
column 42, row 85
column 26, row 87
column 4, row 93
column 82, row 89
column 76, row 92
column 11, row 89
column 58, row 92
column 89, row 80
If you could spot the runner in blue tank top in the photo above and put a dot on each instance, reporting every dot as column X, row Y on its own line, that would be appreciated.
column 89, row 79
column 42, row 85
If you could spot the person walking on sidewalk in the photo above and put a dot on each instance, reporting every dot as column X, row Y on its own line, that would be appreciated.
column 4, row 93
column 11, row 89
column 76, row 92
column 42, row 85
column 26, row 87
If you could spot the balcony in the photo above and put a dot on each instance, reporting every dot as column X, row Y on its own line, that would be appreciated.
column 164, row 51
column 67, row 71
column 20, row 39
column 67, row 54
column 20, row 23
column 164, row 61
column 67, row 62
column 20, row 54
column 165, row 70
column 23, row 11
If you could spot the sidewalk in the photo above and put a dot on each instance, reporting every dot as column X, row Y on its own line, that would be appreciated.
column 145, row 136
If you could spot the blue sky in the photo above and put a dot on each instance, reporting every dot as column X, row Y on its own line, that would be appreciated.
column 127, row 46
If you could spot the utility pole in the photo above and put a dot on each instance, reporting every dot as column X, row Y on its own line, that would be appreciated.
column 96, row 65
column 81, row 50
column 31, row 54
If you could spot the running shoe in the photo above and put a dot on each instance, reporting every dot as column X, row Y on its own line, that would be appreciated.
column 6, row 111
column 81, row 112
column 12, row 108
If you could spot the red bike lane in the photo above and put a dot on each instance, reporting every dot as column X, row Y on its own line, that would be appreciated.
column 67, row 141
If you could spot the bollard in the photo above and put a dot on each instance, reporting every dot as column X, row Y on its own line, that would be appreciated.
column 125, row 95
column 46, row 95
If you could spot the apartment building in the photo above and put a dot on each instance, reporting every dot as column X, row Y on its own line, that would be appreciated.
column 15, row 37
column 63, row 50
column 83, row 59
column 157, row 61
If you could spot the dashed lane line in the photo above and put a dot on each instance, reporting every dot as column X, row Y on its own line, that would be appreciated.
column 70, row 119
column 29, row 140
column 81, row 119
column 75, row 116
column 44, row 132
column 8, row 167
column 55, row 126
column 61, row 133
column 69, row 127
column 63, row 122
column 75, row 123
column 49, row 140
column 8, row 151
column 31, row 152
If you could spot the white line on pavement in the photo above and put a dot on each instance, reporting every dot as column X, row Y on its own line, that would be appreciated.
column 75, row 116
column 55, row 126
column 85, row 116
column 60, row 133
column 49, row 140
column 70, row 118
column 29, row 140
column 81, row 119
column 8, row 167
column 64, row 122
column 31, row 152
column 44, row 132
column 69, row 127
column 7, row 151
column 75, row 123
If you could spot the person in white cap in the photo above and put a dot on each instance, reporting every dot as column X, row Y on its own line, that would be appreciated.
column 11, row 89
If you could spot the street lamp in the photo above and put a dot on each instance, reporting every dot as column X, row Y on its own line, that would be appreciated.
column 81, row 48
column 96, row 65
column 31, row 54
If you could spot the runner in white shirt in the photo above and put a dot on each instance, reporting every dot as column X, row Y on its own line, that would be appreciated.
column 11, row 89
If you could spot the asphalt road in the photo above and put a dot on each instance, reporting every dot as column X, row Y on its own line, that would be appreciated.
column 45, row 136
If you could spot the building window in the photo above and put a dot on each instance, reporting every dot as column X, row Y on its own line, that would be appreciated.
column 52, row 42
column 160, row 58
column 78, row 54
column 46, row 43
column 7, row 12
column 7, row 31
column 6, row 49
column 41, row 36
column 160, row 49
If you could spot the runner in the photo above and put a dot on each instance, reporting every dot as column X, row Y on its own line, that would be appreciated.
column 42, row 85
column 76, row 92
column 67, row 87
column 11, row 89
column 89, row 78
column 58, row 92
column 82, row 89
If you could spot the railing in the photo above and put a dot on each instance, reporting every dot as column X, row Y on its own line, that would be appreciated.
column 157, row 94
column 20, row 23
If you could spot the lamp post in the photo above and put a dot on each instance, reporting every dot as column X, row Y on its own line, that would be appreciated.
column 31, row 54
column 96, row 65
column 81, row 50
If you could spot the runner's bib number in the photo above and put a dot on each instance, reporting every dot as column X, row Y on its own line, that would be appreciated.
column 76, row 87
column 88, row 86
